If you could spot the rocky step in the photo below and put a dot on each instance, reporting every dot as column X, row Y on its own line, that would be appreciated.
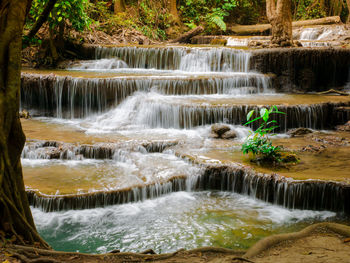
column 310, row 111
column 40, row 149
column 306, row 69
column 184, row 58
column 67, row 94
column 310, row 194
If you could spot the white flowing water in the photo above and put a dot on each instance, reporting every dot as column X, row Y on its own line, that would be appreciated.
column 159, row 93
column 166, row 224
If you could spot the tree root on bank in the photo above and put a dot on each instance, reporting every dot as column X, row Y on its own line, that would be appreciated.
column 333, row 91
column 271, row 241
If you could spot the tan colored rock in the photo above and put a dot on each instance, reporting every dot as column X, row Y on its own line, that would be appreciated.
column 231, row 134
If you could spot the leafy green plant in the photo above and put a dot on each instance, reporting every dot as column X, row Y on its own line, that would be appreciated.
column 72, row 12
column 258, row 142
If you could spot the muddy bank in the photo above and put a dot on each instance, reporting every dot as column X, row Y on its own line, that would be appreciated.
column 304, row 69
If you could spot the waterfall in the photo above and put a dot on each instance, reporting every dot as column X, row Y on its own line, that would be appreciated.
column 311, row 195
column 72, row 97
column 179, row 58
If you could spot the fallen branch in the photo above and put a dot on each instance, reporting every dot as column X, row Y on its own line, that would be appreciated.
column 264, row 29
column 185, row 38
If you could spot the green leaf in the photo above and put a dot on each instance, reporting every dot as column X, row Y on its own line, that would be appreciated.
column 249, row 115
column 59, row 19
column 262, row 112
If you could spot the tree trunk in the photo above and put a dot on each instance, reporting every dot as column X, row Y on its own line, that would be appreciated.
column 15, row 216
column 280, row 17
column 348, row 5
column 173, row 11
column 119, row 6
column 42, row 18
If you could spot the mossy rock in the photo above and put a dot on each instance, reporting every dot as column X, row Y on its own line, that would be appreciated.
column 218, row 42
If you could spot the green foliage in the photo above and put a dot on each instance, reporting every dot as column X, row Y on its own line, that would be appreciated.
column 258, row 142
column 218, row 21
column 307, row 9
column 64, row 11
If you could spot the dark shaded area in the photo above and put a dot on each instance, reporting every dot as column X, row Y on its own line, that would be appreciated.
column 304, row 69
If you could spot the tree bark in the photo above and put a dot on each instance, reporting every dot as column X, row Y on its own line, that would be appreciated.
column 42, row 18
column 119, row 6
column 173, row 11
column 16, row 220
column 279, row 15
column 348, row 5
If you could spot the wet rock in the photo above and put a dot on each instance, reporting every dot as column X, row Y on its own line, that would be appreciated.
column 299, row 132
column 218, row 41
column 289, row 157
column 24, row 114
column 231, row 134
column 219, row 129
column 345, row 127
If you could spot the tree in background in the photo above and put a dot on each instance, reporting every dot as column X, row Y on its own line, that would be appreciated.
column 119, row 6
column 16, row 221
column 172, row 7
column 279, row 14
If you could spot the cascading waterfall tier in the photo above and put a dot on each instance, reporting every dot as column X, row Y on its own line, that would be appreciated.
column 72, row 97
column 179, row 58
column 316, row 195
column 36, row 149
column 166, row 115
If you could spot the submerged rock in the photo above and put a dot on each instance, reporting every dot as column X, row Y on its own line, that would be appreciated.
column 331, row 140
column 314, row 148
column 299, row 132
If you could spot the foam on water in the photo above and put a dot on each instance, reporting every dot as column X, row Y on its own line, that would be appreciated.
column 178, row 220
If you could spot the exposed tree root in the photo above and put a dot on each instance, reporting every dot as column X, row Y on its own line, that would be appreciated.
column 274, row 240
column 333, row 91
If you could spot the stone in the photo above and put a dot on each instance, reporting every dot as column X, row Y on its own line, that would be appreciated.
column 24, row 114
column 219, row 129
column 231, row 134
column 299, row 132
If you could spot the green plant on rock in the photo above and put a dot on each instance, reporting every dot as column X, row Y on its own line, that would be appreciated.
column 258, row 142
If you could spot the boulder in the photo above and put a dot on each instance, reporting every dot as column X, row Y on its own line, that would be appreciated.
column 231, row 134
column 299, row 132
column 219, row 129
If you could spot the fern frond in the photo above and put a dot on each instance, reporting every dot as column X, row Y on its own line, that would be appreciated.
column 218, row 21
